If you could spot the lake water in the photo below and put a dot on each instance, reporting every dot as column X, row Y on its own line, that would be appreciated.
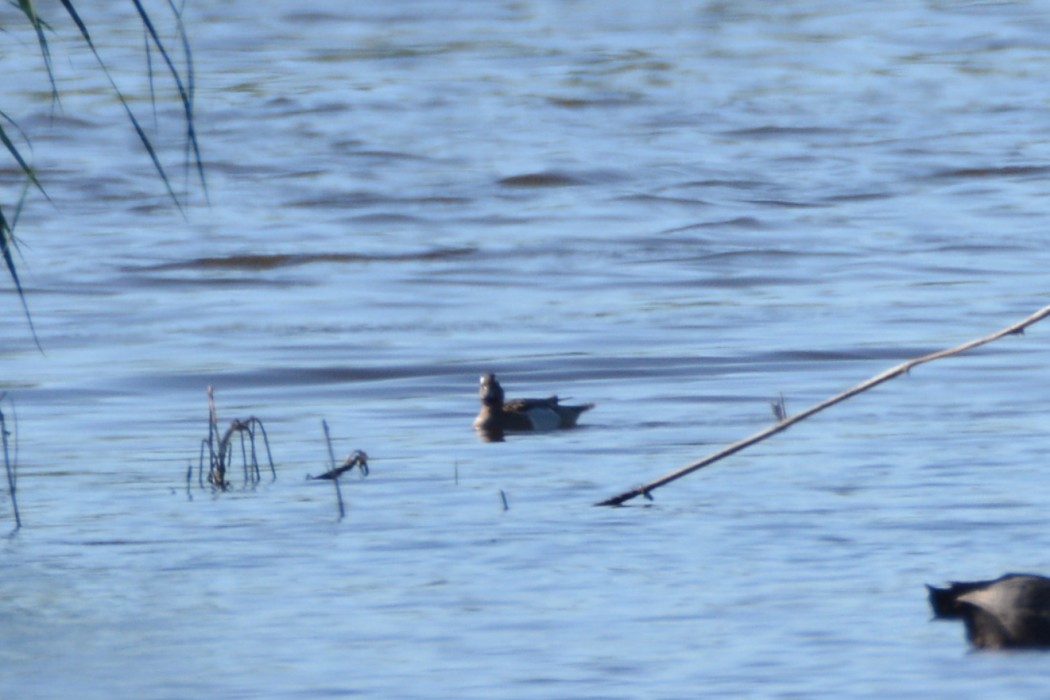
column 677, row 211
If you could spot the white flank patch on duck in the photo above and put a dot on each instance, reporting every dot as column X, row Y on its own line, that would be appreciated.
column 544, row 418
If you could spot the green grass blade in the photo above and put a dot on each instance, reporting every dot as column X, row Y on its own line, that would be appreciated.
column 185, row 94
column 27, row 8
column 149, row 75
column 13, row 150
column 191, row 140
column 123, row 101
column 7, row 245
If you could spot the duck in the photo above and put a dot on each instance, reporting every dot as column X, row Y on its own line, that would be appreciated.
column 498, row 415
column 1010, row 612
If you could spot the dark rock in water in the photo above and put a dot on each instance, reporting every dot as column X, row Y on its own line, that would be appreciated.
column 1011, row 612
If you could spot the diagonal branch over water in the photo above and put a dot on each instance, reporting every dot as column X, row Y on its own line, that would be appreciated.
column 897, row 370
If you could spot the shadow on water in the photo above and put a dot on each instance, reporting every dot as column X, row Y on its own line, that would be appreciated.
column 270, row 262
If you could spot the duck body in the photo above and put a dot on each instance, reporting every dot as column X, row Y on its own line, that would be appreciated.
column 1010, row 612
column 497, row 415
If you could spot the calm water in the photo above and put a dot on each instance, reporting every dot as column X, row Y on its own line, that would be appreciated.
column 676, row 213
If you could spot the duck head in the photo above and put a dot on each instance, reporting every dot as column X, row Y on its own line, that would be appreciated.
column 490, row 392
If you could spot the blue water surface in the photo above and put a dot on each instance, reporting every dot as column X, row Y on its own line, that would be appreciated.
column 678, row 211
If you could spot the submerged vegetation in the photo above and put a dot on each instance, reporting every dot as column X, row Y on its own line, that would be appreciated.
column 220, row 450
column 16, row 142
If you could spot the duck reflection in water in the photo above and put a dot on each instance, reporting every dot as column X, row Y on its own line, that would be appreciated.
column 499, row 416
column 1011, row 612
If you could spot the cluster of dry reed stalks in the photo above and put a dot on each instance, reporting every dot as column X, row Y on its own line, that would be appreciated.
column 220, row 448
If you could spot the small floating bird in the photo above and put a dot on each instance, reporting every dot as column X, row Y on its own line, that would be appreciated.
column 1011, row 612
column 518, row 415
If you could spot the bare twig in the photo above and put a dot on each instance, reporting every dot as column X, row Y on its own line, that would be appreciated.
column 9, row 466
column 335, row 477
column 904, row 367
column 266, row 444
column 779, row 407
